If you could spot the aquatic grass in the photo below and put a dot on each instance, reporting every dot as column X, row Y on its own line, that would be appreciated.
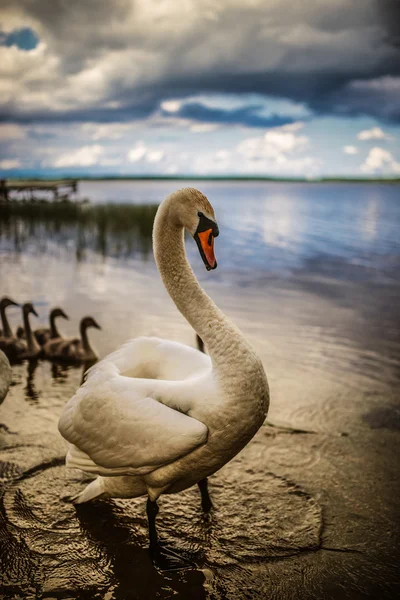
column 109, row 229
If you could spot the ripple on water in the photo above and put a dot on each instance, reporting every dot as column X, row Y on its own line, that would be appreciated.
column 258, row 517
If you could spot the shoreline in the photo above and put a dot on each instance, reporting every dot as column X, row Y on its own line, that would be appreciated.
column 152, row 178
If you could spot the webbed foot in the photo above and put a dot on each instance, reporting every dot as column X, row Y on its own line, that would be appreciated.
column 166, row 559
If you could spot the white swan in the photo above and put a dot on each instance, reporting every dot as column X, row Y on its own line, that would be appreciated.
column 156, row 416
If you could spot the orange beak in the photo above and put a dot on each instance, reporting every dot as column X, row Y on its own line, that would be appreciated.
column 206, row 240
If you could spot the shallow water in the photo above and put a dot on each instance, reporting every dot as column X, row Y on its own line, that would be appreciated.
column 310, row 273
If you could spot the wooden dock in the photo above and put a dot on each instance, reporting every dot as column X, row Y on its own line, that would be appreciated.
column 27, row 191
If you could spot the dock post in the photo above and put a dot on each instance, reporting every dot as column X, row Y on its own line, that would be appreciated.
column 4, row 191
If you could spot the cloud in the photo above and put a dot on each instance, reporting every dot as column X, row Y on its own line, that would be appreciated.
column 379, row 161
column 203, row 127
column 11, row 131
column 350, row 150
column 375, row 133
column 154, row 156
column 275, row 143
column 377, row 97
column 109, row 131
column 137, row 153
column 142, row 152
column 171, row 106
column 249, row 116
column 83, row 157
column 279, row 150
column 10, row 163
column 339, row 58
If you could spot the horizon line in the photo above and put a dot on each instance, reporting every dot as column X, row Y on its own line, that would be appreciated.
column 294, row 179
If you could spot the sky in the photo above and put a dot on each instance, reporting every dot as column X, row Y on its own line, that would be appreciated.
column 200, row 87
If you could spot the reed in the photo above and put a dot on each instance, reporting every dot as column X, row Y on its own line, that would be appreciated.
column 109, row 229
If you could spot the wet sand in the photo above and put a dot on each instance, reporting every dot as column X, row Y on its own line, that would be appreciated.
column 309, row 509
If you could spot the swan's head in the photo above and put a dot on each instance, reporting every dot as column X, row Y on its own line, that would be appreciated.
column 29, row 308
column 4, row 302
column 89, row 322
column 195, row 213
column 58, row 312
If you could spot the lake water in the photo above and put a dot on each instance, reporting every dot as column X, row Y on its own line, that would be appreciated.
column 310, row 273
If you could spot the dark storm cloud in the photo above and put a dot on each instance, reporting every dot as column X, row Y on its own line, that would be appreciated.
column 248, row 116
column 389, row 11
column 120, row 60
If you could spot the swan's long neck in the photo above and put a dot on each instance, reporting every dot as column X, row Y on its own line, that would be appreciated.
column 30, row 338
column 85, row 340
column 226, row 345
column 7, row 332
column 54, row 333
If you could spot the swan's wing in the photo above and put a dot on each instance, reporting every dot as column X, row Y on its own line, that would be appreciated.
column 120, row 428
column 155, row 358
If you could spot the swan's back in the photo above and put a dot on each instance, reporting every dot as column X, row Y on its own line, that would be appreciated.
column 155, row 358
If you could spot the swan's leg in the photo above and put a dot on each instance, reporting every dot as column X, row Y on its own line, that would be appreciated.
column 163, row 558
column 152, row 512
column 206, row 503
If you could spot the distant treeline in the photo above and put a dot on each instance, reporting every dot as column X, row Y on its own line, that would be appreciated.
column 109, row 229
column 393, row 180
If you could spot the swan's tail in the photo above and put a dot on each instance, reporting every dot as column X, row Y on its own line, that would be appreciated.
column 95, row 489
column 110, row 487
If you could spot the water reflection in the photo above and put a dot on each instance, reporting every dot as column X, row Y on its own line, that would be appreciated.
column 370, row 218
column 30, row 388
column 59, row 371
column 37, row 377
column 117, row 230
column 265, row 228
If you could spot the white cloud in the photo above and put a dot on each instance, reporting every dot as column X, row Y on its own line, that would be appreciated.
column 143, row 152
column 137, row 153
column 380, row 160
column 277, row 152
column 274, row 144
column 375, row 133
column 296, row 126
column 350, row 150
column 222, row 154
column 284, row 138
column 154, row 156
column 84, row 157
column 10, row 163
column 171, row 106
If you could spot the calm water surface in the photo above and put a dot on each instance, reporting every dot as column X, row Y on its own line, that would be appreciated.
column 310, row 273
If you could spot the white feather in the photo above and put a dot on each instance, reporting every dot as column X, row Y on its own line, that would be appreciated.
column 158, row 416
column 126, row 424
